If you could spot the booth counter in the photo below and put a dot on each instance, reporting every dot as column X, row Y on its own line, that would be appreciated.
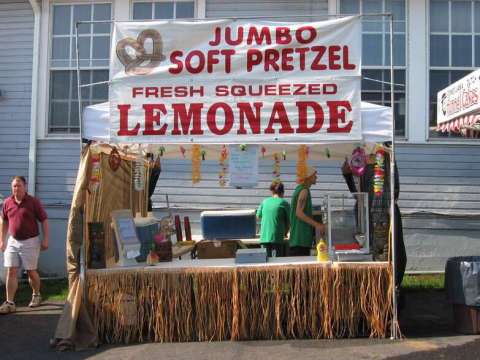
column 215, row 300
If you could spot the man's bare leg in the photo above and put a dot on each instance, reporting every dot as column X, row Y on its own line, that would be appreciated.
column 34, row 280
column 12, row 283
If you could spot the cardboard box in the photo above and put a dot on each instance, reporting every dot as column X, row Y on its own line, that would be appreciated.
column 215, row 249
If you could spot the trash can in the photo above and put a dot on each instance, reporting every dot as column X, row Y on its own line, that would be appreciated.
column 462, row 284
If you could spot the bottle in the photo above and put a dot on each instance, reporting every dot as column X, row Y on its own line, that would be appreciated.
column 322, row 250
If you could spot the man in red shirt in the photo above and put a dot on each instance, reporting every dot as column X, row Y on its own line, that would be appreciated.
column 21, row 213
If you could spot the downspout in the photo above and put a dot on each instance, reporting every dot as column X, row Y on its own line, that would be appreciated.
column 32, row 152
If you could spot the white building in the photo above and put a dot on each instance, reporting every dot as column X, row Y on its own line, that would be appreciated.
column 435, row 43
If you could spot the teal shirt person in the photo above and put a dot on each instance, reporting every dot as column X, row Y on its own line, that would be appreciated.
column 274, row 213
column 301, row 233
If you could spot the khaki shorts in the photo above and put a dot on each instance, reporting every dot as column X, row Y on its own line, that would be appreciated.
column 23, row 253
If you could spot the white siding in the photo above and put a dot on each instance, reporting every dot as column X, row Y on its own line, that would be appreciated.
column 16, row 43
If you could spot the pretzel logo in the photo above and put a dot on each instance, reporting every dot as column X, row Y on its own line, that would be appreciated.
column 135, row 65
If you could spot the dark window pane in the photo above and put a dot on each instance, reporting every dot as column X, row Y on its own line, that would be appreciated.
column 398, row 50
column 164, row 10
column 372, row 97
column 84, row 47
column 372, row 6
column 438, row 81
column 101, row 47
column 397, row 7
column 59, row 84
column 461, row 16
column 458, row 74
column 102, row 12
column 399, row 78
column 372, row 49
column 349, row 7
column 371, row 25
column 61, row 19
column 461, row 50
column 142, row 11
column 82, row 13
column 476, row 17
column 438, row 16
column 477, row 51
column 100, row 92
column 439, row 50
column 368, row 84
column 60, row 48
column 74, row 114
column 59, row 114
column 185, row 10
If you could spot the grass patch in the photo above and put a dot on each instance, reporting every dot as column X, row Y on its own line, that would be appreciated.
column 52, row 290
column 424, row 282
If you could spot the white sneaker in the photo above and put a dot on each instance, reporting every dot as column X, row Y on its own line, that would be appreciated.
column 36, row 301
column 7, row 308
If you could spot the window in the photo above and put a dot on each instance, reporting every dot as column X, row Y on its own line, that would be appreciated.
column 163, row 10
column 454, row 48
column 94, row 45
column 376, row 53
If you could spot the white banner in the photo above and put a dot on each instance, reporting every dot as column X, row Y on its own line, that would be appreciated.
column 233, row 81
column 459, row 99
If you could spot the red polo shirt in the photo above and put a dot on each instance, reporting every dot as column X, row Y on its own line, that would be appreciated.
column 22, row 218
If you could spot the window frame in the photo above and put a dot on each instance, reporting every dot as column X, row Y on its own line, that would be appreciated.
column 447, row 69
column 196, row 7
column 45, row 68
column 386, row 35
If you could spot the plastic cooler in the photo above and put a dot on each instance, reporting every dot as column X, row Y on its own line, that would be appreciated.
column 228, row 224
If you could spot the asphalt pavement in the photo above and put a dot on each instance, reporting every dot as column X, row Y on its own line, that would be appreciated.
column 426, row 323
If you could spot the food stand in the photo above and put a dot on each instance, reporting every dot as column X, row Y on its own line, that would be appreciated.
column 238, row 95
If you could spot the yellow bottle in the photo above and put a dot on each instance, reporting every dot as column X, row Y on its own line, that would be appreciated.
column 322, row 251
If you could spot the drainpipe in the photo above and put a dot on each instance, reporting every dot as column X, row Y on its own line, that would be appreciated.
column 32, row 152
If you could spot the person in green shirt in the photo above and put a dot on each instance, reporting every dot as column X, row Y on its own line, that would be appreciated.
column 274, row 213
column 302, row 231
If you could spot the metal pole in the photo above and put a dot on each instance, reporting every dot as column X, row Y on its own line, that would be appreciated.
column 83, row 250
column 394, row 328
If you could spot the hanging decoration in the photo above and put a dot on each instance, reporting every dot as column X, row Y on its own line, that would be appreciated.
column 139, row 172
column 302, row 162
column 114, row 160
column 161, row 150
column 196, row 163
column 222, row 162
column 183, row 151
column 95, row 176
column 284, row 155
column 358, row 162
column 264, row 150
column 379, row 171
column 204, row 155
column 243, row 147
column 327, row 153
column 276, row 167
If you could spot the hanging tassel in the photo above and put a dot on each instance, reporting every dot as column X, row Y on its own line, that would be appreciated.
column 264, row 150
column 276, row 167
column 196, row 163
column 95, row 177
column 139, row 172
column 183, row 151
column 222, row 162
column 302, row 162
column 379, row 171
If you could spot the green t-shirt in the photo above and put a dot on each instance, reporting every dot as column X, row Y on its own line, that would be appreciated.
column 301, row 233
column 274, row 212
